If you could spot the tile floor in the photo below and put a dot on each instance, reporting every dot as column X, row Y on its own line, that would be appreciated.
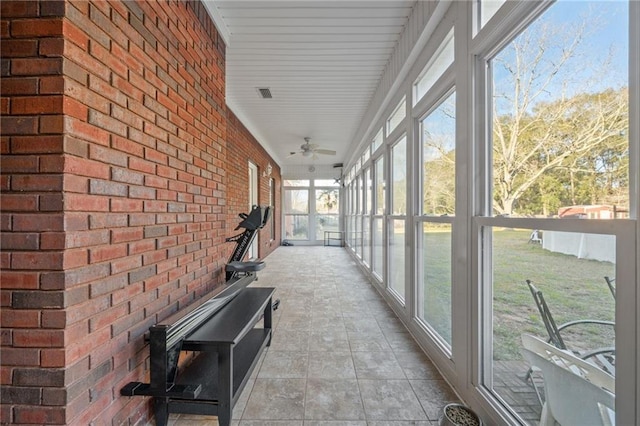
column 339, row 356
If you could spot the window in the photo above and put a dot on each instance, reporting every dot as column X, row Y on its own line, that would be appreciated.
column 296, row 219
column 438, row 136
column 397, row 267
column 559, row 151
column 397, row 116
column 438, row 133
column 442, row 60
column 377, row 141
column 311, row 208
column 272, row 203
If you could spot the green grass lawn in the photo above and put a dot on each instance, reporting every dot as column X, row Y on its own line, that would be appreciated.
column 573, row 288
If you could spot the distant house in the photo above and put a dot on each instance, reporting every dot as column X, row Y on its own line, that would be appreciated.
column 593, row 212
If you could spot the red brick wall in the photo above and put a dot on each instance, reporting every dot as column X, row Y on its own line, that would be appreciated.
column 115, row 149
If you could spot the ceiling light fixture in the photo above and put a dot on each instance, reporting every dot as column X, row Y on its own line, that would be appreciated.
column 307, row 153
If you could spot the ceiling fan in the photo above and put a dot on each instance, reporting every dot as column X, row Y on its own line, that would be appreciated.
column 310, row 150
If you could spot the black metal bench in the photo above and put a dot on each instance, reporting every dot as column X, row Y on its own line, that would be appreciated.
column 222, row 331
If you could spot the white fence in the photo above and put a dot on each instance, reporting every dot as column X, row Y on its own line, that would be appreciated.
column 583, row 246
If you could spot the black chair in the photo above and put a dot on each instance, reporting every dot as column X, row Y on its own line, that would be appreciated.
column 612, row 285
column 604, row 358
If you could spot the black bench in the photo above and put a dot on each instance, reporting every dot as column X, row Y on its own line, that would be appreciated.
column 221, row 329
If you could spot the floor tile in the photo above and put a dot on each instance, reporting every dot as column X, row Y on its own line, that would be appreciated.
column 284, row 365
column 276, row 399
column 377, row 365
column 390, row 400
column 331, row 365
column 433, row 395
column 328, row 399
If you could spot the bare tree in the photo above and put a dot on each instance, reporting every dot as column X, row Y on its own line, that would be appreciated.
column 545, row 111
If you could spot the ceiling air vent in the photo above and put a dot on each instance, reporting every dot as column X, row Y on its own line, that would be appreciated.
column 265, row 92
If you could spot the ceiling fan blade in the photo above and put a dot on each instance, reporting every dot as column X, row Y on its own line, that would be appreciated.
column 325, row 151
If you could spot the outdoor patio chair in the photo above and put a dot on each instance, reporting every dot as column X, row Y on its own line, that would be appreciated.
column 603, row 358
column 612, row 285
column 576, row 392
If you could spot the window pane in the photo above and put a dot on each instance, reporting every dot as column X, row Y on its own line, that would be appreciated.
column 377, row 247
column 380, row 186
column 296, row 201
column 561, row 113
column 435, row 310
column 488, row 8
column 326, row 182
column 296, row 182
column 377, row 141
column 358, row 242
column 327, row 201
column 296, row 227
column 397, row 116
column 366, row 240
column 442, row 60
column 569, row 270
column 399, row 175
column 326, row 223
column 396, row 257
column 439, row 159
column 368, row 190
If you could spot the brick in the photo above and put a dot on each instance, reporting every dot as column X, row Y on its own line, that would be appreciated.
column 18, row 9
column 37, row 339
column 19, row 279
column 52, row 358
column 125, row 205
column 53, row 8
column 37, row 299
column 142, row 274
column 101, row 187
column 86, row 131
column 39, row 183
column 39, row 415
column 51, row 85
column 20, row 395
column 86, row 203
column 36, row 260
column 24, row 357
column 51, row 124
column 19, row 202
column 51, row 47
column 36, row 105
column 107, row 155
column 100, row 254
column 104, row 220
column 36, row 66
column 54, row 319
column 36, row 27
column 19, row 164
column 105, row 122
column 19, row 86
column 18, row 241
column 19, row 125
column 37, row 144
column 126, row 234
column 54, row 396
column 51, row 202
column 108, row 285
column 108, row 317
column 86, row 167
column 18, row 49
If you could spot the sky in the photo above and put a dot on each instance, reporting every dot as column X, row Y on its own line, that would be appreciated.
column 606, row 35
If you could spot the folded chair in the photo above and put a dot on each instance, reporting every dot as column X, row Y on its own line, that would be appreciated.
column 604, row 356
column 611, row 282
column 576, row 393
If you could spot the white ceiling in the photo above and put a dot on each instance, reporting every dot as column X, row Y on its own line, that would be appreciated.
column 322, row 61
